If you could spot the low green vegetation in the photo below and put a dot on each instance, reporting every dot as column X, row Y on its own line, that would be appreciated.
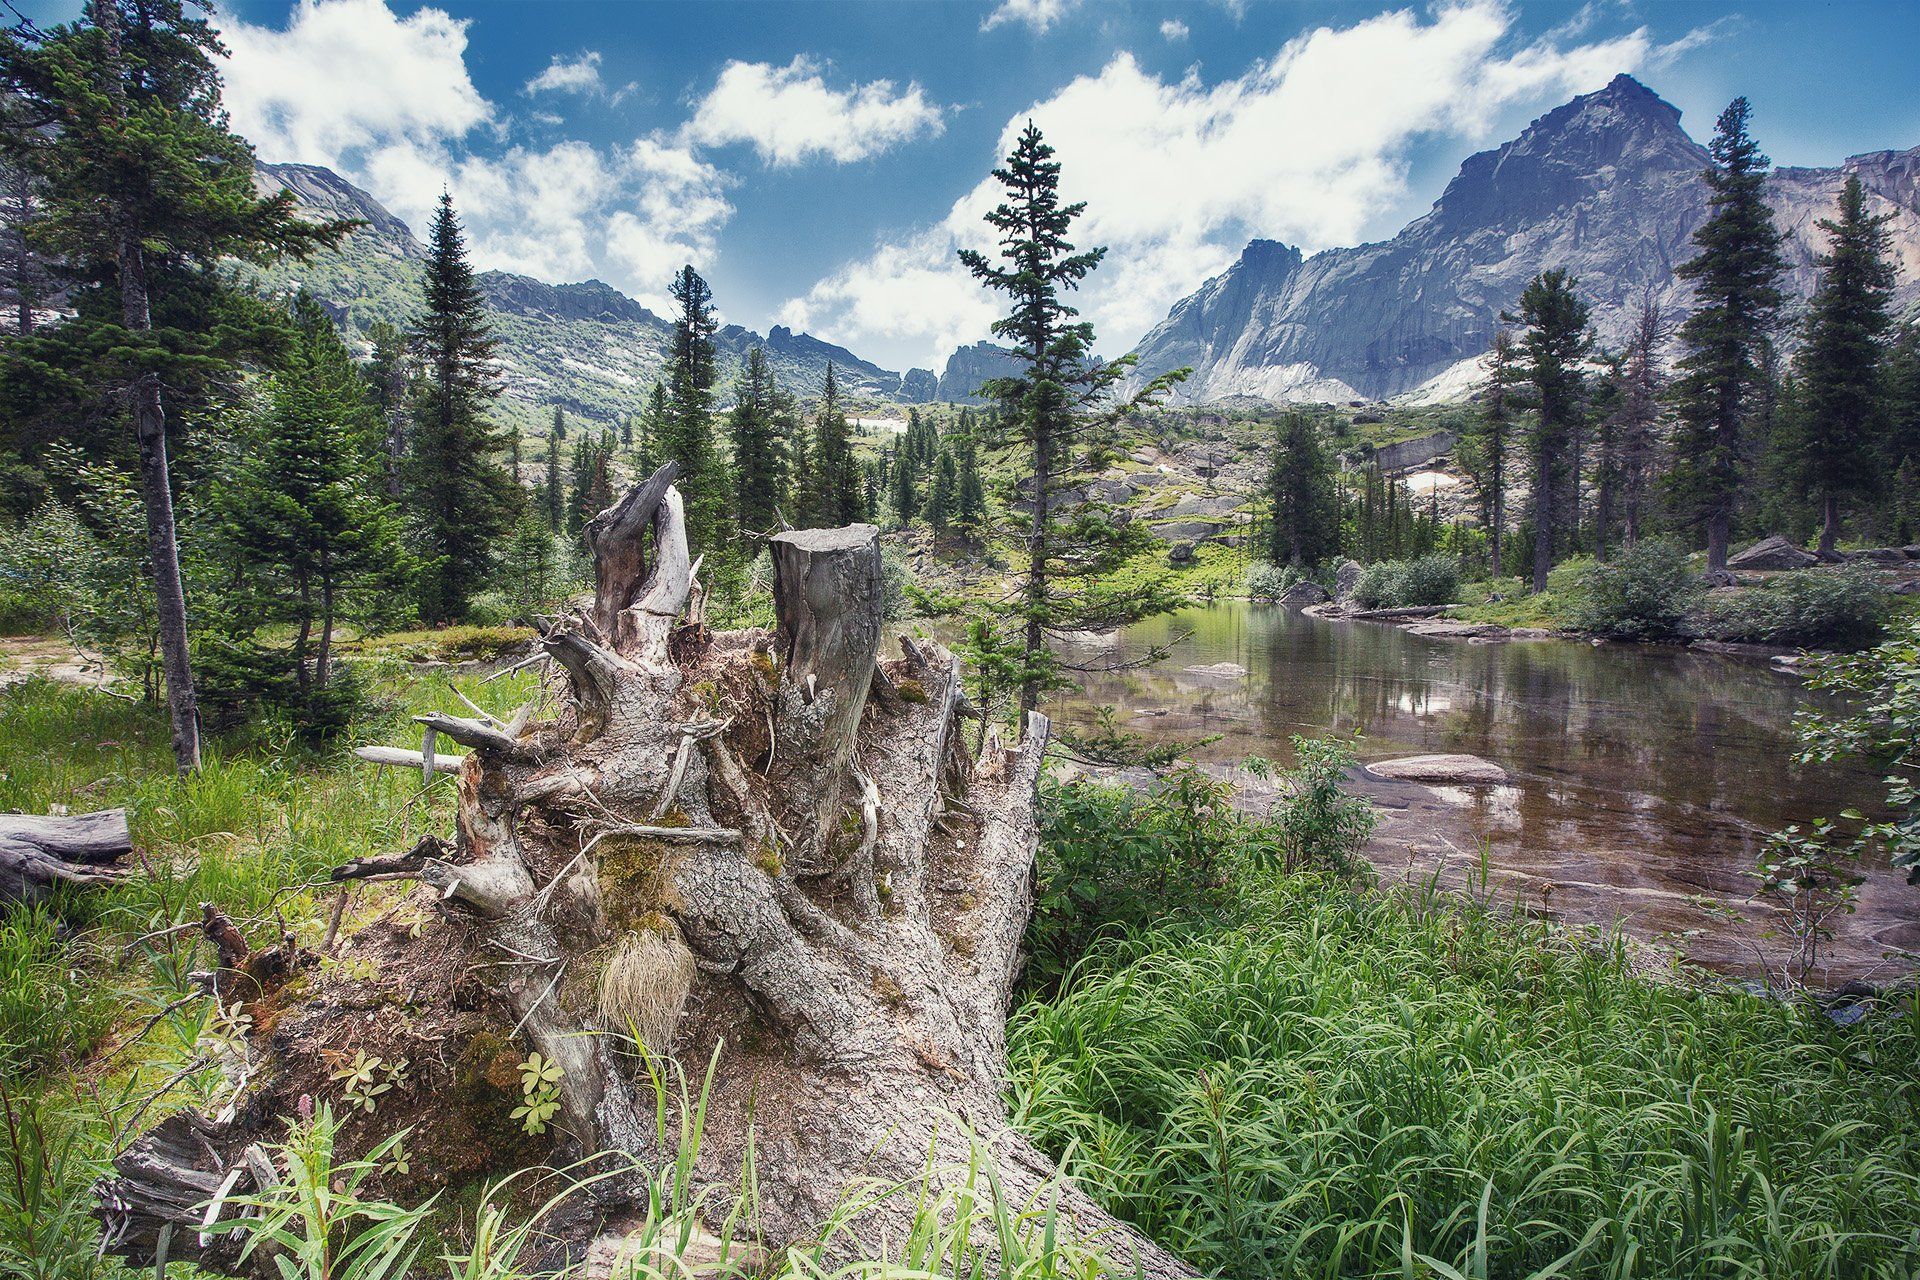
column 1645, row 593
column 1309, row 1079
column 1843, row 608
column 1408, row 584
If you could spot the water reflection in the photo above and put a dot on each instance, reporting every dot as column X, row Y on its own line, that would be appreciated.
column 1644, row 779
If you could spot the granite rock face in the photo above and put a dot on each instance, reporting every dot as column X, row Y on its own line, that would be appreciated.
column 1607, row 186
column 1773, row 552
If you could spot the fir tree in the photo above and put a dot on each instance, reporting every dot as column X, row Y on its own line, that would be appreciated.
column 458, row 496
column 830, row 488
column 686, row 434
column 555, row 496
column 1303, row 527
column 387, row 374
column 756, row 448
column 1727, row 340
column 1552, row 345
column 905, row 493
column 653, row 421
column 1638, row 409
column 1060, row 392
column 559, row 423
column 1838, row 443
column 1488, row 439
column 530, row 565
column 940, row 493
column 971, row 499
column 144, row 197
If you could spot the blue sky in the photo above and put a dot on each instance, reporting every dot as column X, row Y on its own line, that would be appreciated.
column 820, row 161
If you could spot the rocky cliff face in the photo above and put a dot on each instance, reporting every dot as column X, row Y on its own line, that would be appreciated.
column 968, row 368
column 1607, row 186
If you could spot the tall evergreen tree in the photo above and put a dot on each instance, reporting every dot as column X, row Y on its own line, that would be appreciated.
column 1059, row 393
column 653, row 423
column 1552, row 345
column 459, row 498
column 686, row 435
column 1727, row 340
column 559, row 423
column 387, row 373
column 1488, row 439
column 756, row 448
column 1638, row 410
column 555, row 494
column 831, row 489
column 971, row 498
column 144, row 191
column 1842, row 420
column 905, row 493
column 1303, row 526
column 941, row 493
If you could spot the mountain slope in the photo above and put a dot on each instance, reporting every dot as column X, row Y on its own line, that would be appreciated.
column 1607, row 186
column 586, row 347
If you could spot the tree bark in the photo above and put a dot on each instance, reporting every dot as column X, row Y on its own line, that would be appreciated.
column 765, row 851
column 38, row 855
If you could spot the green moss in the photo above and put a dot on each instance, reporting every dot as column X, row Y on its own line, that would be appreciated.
column 911, row 691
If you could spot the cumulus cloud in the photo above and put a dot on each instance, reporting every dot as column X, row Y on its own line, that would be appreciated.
column 791, row 114
column 347, row 75
column 387, row 102
column 1174, row 29
column 1307, row 146
column 1038, row 14
column 577, row 75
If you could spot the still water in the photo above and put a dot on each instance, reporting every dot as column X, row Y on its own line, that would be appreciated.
column 1643, row 779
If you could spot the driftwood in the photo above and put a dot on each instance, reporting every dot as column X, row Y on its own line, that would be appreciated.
column 40, row 854
column 766, row 851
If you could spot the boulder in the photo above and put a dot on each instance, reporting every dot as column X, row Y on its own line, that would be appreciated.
column 1773, row 552
column 1881, row 555
column 1450, row 770
column 1345, row 579
column 1719, row 579
column 1184, row 530
column 1180, row 553
column 1304, row 593
column 1219, row 671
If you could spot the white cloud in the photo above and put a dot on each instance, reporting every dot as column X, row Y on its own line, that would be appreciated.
column 1307, row 147
column 1174, row 29
column 388, row 103
column 346, row 75
column 790, row 114
column 1038, row 14
column 579, row 75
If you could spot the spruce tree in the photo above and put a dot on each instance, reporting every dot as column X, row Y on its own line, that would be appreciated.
column 1639, row 415
column 971, row 499
column 1552, row 345
column 686, row 433
column 145, row 196
column 555, row 494
column 559, row 423
column 1488, row 439
column 1842, row 419
column 756, row 448
column 653, row 421
column 1303, row 526
column 458, row 497
column 1722, row 386
column 1060, row 393
column 387, row 373
column 905, row 493
column 941, row 493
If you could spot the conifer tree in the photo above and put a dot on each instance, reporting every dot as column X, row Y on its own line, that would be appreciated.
column 1837, row 447
column 971, row 498
column 1639, row 415
column 387, row 374
column 144, row 196
column 653, row 421
column 1552, row 345
column 1060, row 393
column 686, row 434
column 559, row 423
column 905, row 493
column 626, row 431
column 756, row 448
column 941, row 493
column 554, row 495
column 831, row 486
column 1303, row 527
column 795, row 431
column 1487, row 440
column 1722, row 387
column 458, row 496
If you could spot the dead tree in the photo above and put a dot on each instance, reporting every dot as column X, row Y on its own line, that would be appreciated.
column 765, row 850
column 38, row 855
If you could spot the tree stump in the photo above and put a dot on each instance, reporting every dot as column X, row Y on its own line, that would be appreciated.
column 722, row 849
column 40, row 854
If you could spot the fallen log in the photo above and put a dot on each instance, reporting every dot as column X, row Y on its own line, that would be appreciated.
column 40, row 853
column 409, row 759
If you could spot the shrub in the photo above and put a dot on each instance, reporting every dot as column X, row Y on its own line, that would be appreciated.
column 1271, row 581
column 1316, row 825
column 1844, row 608
column 1646, row 592
column 1408, row 584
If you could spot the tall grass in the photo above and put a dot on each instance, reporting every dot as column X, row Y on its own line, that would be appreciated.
column 1359, row 1083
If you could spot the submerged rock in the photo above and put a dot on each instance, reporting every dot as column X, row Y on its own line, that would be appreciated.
column 1219, row 671
column 1452, row 770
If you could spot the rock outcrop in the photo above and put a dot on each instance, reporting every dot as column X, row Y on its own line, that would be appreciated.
column 1773, row 552
column 1445, row 770
column 1607, row 186
column 970, row 368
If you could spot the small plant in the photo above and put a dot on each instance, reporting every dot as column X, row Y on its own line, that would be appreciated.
column 365, row 1078
column 539, row 1093
column 1811, row 874
column 1317, row 824
column 1271, row 581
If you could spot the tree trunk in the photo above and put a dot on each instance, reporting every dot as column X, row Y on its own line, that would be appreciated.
column 1717, row 531
column 38, row 855
column 765, row 850
column 1543, row 515
column 1829, row 527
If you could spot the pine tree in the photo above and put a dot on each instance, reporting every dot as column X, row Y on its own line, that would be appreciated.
column 830, row 493
column 1639, row 415
column 306, row 536
column 800, row 472
column 626, row 431
column 971, row 500
column 1060, row 393
column 1488, row 439
column 756, row 448
column 555, row 495
column 145, row 196
column 653, row 422
column 1303, row 526
column 941, row 493
column 387, row 373
column 1553, row 344
column 1900, row 449
column 530, row 565
column 686, row 434
column 459, row 498
column 1838, row 444
column 1727, row 340
column 905, row 494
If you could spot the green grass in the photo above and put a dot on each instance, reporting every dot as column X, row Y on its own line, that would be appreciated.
column 1331, row 1081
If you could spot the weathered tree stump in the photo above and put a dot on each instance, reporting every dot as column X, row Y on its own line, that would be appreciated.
column 40, row 854
column 723, row 849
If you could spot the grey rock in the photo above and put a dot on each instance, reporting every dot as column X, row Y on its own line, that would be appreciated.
column 1184, row 531
column 1772, row 552
column 1455, row 770
column 1717, row 580
column 1607, row 186
column 918, row 386
column 1219, row 671
column 969, row 368
column 1304, row 593
column 1180, row 553
column 1201, row 506
column 1345, row 579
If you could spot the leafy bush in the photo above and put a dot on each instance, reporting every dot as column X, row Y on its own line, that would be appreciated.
column 1408, row 584
column 1646, row 592
column 1316, row 825
column 1271, row 581
column 1843, row 608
